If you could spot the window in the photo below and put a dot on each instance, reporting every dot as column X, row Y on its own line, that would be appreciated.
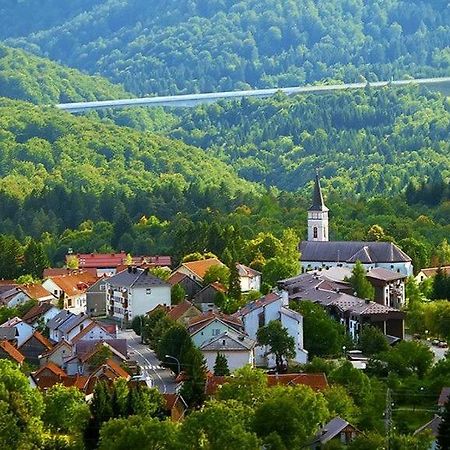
column 261, row 319
column 215, row 331
column 102, row 287
column 148, row 291
column 315, row 232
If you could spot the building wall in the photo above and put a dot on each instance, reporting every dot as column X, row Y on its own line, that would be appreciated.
column 250, row 283
column 96, row 299
column 97, row 333
column 214, row 328
column 318, row 220
column 72, row 333
column 24, row 332
column 57, row 357
column 236, row 359
column 187, row 272
column 18, row 299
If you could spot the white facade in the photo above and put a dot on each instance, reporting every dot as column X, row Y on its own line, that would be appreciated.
column 235, row 359
column 252, row 283
column 277, row 309
column 318, row 225
column 75, row 304
column 405, row 268
column 48, row 315
column 213, row 329
column 127, row 303
column 97, row 332
column 23, row 330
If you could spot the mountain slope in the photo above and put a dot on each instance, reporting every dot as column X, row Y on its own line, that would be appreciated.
column 172, row 46
column 369, row 141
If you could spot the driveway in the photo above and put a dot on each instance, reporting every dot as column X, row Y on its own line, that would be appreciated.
column 163, row 379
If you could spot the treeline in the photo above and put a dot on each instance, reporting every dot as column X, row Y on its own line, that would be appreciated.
column 367, row 141
column 431, row 193
column 173, row 46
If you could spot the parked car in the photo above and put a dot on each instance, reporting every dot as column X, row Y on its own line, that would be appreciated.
column 443, row 344
column 435, row 342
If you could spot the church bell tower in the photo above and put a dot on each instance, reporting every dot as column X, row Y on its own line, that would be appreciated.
column 317, row 215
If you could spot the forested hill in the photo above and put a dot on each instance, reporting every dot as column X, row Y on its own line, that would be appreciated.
column 369, row 141
column 39, row 80
column 173, row 46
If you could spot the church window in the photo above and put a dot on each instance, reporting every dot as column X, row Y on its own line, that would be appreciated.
column 315, row 232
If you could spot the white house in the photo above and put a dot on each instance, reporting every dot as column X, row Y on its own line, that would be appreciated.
column 23, row 331
column 273, row 306
column 93, row 331
column 67, row 325
column 134, row 292
column 250, row 278
column 11, row 295
column 237, row 348
column 40, row 314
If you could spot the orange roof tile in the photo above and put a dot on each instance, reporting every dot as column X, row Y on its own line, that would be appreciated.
column 74, row 284
column 316, row 381
column 12, row 351
column 176, row 277
column 117, row 369
column 36, row 291
column 53, row 368
column 199, row 268
column 177, row 311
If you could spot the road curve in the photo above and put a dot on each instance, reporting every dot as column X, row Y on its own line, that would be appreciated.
column 190, row 100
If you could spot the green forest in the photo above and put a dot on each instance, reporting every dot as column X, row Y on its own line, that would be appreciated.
column 173, row 46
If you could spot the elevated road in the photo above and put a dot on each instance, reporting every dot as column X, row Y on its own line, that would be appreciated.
column 191, row 100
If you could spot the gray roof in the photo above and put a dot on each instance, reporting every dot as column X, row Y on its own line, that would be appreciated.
column 136, row 278
column 228, row 341
column 380, row 273
column 59, row 319
column 85, row 346
column 318, row 203
column 331, row 430
column 7, row 333
column 352, row 251
column 72, row 322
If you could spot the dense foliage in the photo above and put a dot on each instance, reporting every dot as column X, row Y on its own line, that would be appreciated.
column 368, row 141
column 171, row 46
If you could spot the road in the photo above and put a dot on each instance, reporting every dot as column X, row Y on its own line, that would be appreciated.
column 163, row 378
column 190, row 100
column 438, row 352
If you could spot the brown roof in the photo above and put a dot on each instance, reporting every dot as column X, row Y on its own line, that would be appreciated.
column 36, row 291
column 12, row 351
column 199, row 268
column 76, row 283
column 198, row 322
column 177, row 311
column 431, row 271
column 53, row 368
column 116, row 369
column 176, row 277
column 260, row 302
column 36, row 311
column 42, row 339
column 172, row 399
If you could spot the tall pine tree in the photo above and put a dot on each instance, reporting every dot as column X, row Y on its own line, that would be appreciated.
column 221, row 366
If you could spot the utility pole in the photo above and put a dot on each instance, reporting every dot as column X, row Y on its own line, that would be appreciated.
column 388, row 418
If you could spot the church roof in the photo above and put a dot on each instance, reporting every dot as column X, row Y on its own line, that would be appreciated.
column 352, row 251
column 318, row 203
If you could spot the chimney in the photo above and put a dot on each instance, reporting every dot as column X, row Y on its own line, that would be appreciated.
column 284, row 298
column 130, row 269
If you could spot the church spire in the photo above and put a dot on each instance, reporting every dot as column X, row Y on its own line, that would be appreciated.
column 318, row 203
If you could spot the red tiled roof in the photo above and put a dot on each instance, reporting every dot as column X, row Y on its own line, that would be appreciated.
column 12, row 351
column 86, row 330
column 53, row 368
column 172, row 399
column 76, row 283
column 176, row 277
column 110, row 363
column 199, row 268
column 114, row 260
column 198, row 322
column 36, row 291
column 177, row 311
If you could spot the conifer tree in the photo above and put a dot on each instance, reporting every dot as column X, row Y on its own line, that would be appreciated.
column 193, row 390
column 360, row 283
column 35, row 259
column 234, row 287
column 221, row 366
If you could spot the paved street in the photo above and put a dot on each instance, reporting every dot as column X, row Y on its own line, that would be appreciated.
column 439, row 353
column 163, row 378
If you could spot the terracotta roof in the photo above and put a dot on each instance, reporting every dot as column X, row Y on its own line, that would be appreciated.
column 172, row 399
column 199, row 268
column 176, row 277
column 177, row 311
column 53, row 368
column 111, row 364
column 36, row 291
column 42, row 339
column 37, row 311
column 12, row 351
column 431, row 271
column 74, row 284
column 316, row 381
column 198, row 322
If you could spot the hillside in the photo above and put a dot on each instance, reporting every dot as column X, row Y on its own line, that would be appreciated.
column 371, row 141
column 189, row 46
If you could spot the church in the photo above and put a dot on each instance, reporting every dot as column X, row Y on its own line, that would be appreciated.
column 318, row 253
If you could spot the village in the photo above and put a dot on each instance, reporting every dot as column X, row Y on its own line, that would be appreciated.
column 105, row 317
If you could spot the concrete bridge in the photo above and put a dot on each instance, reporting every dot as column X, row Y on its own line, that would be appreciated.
column 191, row 100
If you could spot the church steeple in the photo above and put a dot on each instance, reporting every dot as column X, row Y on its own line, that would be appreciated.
column 317, row 215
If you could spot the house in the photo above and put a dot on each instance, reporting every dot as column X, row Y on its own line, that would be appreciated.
column 109, row 371
column 93, row 331
column 336, row 429
column 66, row 325
column 34, row 347
column 351, row 311
column 96, row 298
column 37, row 292
column 22, row 330
column 11, row 295
column 209, row 325
column 58, row 354
column 40, row 314
column 48, row 375
column 133, row 292
column 197, row 269
column 237, row 348
column 175, row 407
column 318, row 253
column 8, row 334
column 190, row 286
column 389, row 286
column 430, row 272
column 206, row 298
column 71, row 289
column 250, row 278
column 183, row 312
column 8, row 351
column 273, row 306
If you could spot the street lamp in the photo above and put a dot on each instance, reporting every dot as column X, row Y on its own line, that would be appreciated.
column 177, row 360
